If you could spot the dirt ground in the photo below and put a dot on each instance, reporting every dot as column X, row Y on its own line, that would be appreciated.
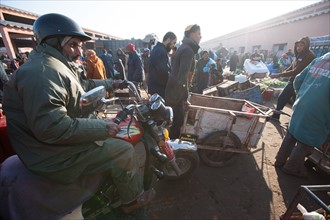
column 250, row 187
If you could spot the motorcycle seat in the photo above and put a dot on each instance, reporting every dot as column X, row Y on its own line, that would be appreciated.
column 25, row 195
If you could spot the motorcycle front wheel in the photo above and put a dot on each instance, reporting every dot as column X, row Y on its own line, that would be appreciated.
column 188, row 162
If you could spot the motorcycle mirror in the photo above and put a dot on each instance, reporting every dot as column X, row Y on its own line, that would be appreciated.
column 91, row 100
column 155, row 97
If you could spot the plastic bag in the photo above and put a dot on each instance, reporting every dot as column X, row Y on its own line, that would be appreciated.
column 248, row 109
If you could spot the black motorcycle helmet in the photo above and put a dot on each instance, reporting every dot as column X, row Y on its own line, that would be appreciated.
column 57, row 25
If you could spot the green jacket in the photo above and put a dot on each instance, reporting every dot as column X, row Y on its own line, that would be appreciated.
column 41, row 103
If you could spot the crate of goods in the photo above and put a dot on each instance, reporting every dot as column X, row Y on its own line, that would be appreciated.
column 248, row 91
column 226, row 88
column 267, row 94
column 213, row 91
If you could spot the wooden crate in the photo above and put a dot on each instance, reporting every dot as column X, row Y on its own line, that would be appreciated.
column 212, row 91
column 227, row 87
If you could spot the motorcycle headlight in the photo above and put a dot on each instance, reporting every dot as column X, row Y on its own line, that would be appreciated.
column 158, row 111
column 161, row 113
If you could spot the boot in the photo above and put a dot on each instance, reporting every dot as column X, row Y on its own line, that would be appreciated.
column 140, row 202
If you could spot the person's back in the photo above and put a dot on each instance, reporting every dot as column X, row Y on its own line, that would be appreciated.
column 134, row 65
column 309, row 125
column 95, row 66
column 108, row 63
column 311, row 112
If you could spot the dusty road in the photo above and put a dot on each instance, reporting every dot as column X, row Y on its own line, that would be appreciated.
column 248, row 188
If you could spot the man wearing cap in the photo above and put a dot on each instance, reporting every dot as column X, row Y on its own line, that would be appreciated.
column 134, row 66
column 177, row 87
column 159, row 64
column 41, row 102
column 304, row 56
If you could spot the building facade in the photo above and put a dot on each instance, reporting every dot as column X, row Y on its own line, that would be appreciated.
column 279, row 34
column 16, row 29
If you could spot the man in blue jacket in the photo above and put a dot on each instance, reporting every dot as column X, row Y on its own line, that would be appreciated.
column 159, row 64
column 309, row 126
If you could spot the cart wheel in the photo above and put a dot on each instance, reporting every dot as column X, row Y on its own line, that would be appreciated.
column 214, row 158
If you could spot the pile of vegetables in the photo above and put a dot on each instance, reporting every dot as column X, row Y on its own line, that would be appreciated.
column 271, row 84
column 274, row 84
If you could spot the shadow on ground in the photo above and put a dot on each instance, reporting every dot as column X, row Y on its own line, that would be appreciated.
column 216, row 193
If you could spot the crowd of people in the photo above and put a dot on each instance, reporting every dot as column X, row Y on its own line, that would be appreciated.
column 56, row 143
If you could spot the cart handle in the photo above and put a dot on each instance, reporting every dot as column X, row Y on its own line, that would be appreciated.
column 233, row 116
column 256, row 107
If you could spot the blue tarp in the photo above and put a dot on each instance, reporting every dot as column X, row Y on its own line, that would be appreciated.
column 320, row 40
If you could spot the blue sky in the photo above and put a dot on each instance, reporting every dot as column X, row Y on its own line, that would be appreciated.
column 136, row 19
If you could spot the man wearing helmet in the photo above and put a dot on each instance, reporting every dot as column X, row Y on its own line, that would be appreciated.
column 41, row 102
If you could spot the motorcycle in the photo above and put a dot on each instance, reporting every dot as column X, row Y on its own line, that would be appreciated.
column 143, row 124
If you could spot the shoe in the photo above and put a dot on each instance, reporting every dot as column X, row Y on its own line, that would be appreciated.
column 140, row 202
column 294, row 173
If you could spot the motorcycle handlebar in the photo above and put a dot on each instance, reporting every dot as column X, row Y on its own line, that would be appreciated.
column 133, row 88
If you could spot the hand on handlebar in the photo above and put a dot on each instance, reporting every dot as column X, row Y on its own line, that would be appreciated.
column 112, row 128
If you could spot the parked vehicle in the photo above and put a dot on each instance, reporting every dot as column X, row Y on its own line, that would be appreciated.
column 144, row 124
column 223, row 127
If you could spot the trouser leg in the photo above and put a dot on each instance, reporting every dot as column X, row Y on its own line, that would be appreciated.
column 124, row 169
column 296, row 159
column 178, row 120
column 286, row 148
column 284, row 98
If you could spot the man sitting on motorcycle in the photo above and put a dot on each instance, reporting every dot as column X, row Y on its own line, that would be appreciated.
column 41, row 102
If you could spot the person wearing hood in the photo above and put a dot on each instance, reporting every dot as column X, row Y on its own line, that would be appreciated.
column 95, row 66
column 304, row 56
column 177, row 87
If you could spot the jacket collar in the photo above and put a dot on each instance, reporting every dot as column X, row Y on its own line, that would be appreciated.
column 193, row 44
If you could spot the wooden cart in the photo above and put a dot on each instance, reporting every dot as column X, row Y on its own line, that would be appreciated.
column 221, row 128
